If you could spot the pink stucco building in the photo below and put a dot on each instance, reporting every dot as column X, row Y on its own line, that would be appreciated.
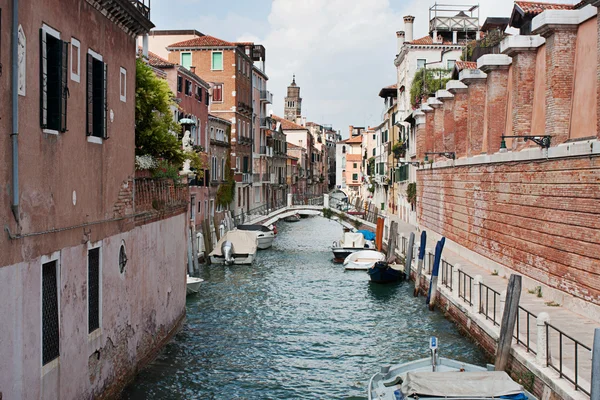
column 92, row 273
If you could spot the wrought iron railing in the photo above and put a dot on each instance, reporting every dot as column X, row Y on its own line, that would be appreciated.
column 465, row 287
column 571, row 370
column 525, row 342
column 486, row 294
column 447, row 270
column 250, row 215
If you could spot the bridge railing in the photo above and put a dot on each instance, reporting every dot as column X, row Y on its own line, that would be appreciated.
column 256, row 214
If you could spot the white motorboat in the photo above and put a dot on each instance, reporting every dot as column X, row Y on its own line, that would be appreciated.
column 235, row 247
column 363, row 260
column 193, row 284
column 350, row 243
column 443, row 378
column 264, row 234
column 293, row 218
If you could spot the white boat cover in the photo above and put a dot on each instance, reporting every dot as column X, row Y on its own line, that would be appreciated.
column 460, row 384
column 244, row 242
column 353, row 240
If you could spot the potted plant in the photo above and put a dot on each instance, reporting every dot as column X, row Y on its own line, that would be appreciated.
column 399, row 149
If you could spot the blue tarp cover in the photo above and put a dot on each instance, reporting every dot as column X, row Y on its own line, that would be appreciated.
column 367, row 234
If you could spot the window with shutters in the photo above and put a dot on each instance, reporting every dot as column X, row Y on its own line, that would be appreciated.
column 94, row 288
column 217, row 95
column 186, row 60
column 50, row 321
column 96, row 97
column 75, row 60
column 123, row 84
column 188, row 88
column 54, row 69
column 179, row 84
column 199, row 93
column 217, row 61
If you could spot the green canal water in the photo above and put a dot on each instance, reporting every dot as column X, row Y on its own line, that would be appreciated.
column 294, row 326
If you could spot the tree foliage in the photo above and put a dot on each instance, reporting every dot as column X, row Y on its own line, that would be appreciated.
column 426, row 82
column 226, row 190
column 154, row 122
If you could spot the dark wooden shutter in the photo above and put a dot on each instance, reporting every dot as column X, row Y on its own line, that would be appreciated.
column 43, row 81
column 64, row 89
column 93, row 289
column 105, row 101
column 90, row 95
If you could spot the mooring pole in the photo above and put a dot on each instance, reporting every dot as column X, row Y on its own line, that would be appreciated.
column 509, row 318
column 420, row 263
column 409, row 255
column 595, row 393
column 434, row 274
column 391, row 254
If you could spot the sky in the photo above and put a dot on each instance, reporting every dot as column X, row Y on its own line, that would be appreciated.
column 341, row 51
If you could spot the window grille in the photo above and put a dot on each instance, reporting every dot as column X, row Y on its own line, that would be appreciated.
column 50, row 327
column 93, row 289
column 96, row 97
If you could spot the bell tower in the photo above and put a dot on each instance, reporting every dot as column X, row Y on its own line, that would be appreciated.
column 293, row 102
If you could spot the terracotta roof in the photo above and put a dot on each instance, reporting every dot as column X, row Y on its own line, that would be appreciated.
column 353, row 157
column 203, row 41
column 354, row 139
column 294, row 146
column 288, row 125
column 537, row 7
column 460, row 65
column 427, row 40
column 157, row 61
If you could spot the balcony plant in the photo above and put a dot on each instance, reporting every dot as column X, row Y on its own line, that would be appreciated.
column 226, row 190
column 411, row 193
column 426, row 82
column 399, row 149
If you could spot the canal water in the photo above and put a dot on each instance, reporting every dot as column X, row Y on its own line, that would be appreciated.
column 294, row 326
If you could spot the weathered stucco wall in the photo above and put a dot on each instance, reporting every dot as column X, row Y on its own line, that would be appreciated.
column 139, row 308
column 537, row 218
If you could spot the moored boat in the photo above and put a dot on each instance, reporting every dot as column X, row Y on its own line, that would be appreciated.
column 292, row 218
column 193, row 284
column 235, row 247
column 350, row 243
column 382, row 272
column 363, row 260
column 264, row 234
column 443, row 378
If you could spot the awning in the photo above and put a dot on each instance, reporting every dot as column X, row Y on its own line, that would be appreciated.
column 187, row 121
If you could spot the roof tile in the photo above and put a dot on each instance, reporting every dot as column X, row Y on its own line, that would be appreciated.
column 203, row 41
column 288, row 125
column 537, row 7
column 460, row 65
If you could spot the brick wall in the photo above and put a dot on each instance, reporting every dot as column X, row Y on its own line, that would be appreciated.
column 461, row 118
column 537, row 218
column 438, row 130
column 496, row 101
column 429, row 130
column 477, row 96
column 449, row 126
column 523, row 84
column 420, row 138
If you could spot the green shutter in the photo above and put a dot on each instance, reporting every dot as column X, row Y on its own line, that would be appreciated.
column 217, row 60
column 186, row 60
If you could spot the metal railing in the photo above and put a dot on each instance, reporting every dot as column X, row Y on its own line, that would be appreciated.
column 303, row 199
column 404, row 245
column 485, row 292
column 447, row 270
column 465, row 287
column 265, row 209
column 517, row 334
column 561, row 368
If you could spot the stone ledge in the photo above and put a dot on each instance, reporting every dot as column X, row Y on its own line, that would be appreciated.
column 491, row 62
column 455, row 86
column 443, row 95
column 519, row 43
column 468, row 76
column 551, row 20
column 433, row 102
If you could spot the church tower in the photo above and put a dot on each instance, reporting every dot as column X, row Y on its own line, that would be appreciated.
column 293, row 102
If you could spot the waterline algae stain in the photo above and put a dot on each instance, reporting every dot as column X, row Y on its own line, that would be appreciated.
column 294, row 326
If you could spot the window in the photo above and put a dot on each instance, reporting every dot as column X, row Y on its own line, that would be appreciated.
column 186, row 60
column 374, row 137
column 217, row 92
column 188, row 88
column 217, row 60
column 50, row 324
column 239, row 63
column 354, row 177
column 451, row 64
column 373, row 152
column 75, row 60
column 123, row 84
column 354, row 165
column 179, row 84
column 206, row 99
column 223, row 168
column 421, row 63
column 93, row 289
column 199, row 93
column 96, row 96
column 343, row 149
column 53, row 81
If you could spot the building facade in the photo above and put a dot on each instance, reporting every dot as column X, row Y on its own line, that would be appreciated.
column 293, row 102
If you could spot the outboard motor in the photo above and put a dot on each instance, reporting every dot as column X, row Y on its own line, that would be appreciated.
column 227, row 251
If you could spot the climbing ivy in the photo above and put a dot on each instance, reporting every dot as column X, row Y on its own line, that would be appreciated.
column 434, row 79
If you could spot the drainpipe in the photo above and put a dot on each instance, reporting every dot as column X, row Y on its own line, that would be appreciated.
column 15, row 110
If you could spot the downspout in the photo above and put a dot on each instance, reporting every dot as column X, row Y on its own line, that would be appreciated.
column 15, row 110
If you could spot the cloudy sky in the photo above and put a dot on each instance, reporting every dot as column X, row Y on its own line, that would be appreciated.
column 342, row 51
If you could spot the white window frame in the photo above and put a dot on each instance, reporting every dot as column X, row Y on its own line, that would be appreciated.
column 90, row 246
column 75, row 44
column 44, row 260
column 123, row 73
column 212, row 100
column 52, row 32
column 95, row 139
column 212, row 66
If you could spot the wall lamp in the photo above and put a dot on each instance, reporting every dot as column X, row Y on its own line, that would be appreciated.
column 413, row 163
column 542, row 141
column 448, row 154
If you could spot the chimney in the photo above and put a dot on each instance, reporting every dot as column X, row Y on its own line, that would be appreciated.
column 434, row 37
column 408, row 27
column 454, row 37
column 192, row 69
column 351, row 128
column 400, row 36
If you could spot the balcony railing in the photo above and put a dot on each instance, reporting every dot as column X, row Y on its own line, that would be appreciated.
column 141, row 6
column 266, row 122
column 159, row 194
column 266, row 96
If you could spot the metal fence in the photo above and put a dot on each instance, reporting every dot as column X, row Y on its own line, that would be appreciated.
column 486, row 294
column 465, row 287
column 304, row 199
column 250, row 215
column 567, row 367
column 526, row 341
column 447, row 271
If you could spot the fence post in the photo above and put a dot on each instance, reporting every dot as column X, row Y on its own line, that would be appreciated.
column 541, row 357
column 289, row 200
column 475, row 295
column 409, row 255
column 503, row 302
column 509, row 318
column 455, row 277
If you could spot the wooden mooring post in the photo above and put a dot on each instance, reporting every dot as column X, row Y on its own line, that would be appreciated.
column 432, row 296
column 409, row 255
column 509, row 319
column 206, row 233
column 420, row 263
column 393, row 235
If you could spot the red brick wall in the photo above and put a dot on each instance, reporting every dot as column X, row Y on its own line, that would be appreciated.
column 420, row 137
column 497, row 82
column 461, row 125
column 429, row 131
column 477, row 91
column 523, row 84
column 449, row 127
column 560, row 59
column 438, row 130
column 537, row 218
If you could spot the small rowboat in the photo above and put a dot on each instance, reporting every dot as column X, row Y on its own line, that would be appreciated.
column 363, row 260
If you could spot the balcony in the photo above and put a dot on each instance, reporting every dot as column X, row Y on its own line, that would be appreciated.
column 266, row 178
column 246, row 178
column 266, row 151
column 141, row 6
column 266, row 123
column 266, row 97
